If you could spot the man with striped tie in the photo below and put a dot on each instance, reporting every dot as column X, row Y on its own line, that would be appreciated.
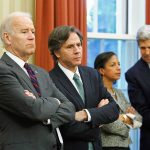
column 31, row 107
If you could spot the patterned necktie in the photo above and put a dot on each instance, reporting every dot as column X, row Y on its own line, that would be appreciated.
column 33, row 78
column 79, row 85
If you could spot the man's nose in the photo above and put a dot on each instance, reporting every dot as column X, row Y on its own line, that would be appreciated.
column 31, row 35
column 147, row 51
column 118, row 67
column 76, row 49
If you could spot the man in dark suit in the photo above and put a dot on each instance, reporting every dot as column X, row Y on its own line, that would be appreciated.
column 93, row 103
column 29, row 112
column 138, row 79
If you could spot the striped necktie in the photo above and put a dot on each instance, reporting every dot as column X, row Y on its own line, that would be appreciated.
column 33, row 78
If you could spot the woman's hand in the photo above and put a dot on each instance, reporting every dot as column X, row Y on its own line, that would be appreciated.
column 125, row 119
column 130, row 110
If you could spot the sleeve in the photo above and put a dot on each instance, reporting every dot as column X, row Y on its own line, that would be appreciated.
column 16, row 102
column 124, row 104
column 66, row 110
column 79, row 130
column 106, row 114
column 137, row 98
column 117, row 128
column 137, row 120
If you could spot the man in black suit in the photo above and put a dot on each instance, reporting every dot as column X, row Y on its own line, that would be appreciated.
column 94, row 105
column 29, row 112
column 138, row 78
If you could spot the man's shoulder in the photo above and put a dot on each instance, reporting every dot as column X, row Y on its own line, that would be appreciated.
column 3, row 65
column 55, row 72
column 6, row 69
column 39, row 69
column 87, row 69
column 2, row 62
column 134, row 68
column 89, row 72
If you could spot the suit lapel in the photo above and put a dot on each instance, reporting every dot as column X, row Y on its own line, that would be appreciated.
column 22, row 76
column 66, row 83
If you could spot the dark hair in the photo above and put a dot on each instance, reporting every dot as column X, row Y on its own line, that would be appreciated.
column 102, row 58
column 59, row 36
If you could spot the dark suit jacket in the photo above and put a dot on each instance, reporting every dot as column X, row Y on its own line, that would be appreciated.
column 21, row 117
column 138, row 78
column 77, row 134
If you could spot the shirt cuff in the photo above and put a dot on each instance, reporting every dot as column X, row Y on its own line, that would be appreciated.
column 58, row 101
column 136, row 123
column 88, row 114
column 47, row 122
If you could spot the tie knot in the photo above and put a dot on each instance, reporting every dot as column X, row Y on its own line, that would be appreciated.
column 26, row 66
column 76, row 77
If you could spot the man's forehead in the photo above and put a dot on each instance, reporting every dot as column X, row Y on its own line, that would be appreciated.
column 73, row 38
column 22, row 21
column 144, row 41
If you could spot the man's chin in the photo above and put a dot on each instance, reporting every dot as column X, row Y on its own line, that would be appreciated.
column 78, row 63
column 147, row 60
column 31, row 51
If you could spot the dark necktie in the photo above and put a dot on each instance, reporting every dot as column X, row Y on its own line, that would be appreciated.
column 33, row 78
column 36, row 86
column 79, row 85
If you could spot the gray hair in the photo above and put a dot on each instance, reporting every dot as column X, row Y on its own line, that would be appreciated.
column 6, row 25
column 143, row 33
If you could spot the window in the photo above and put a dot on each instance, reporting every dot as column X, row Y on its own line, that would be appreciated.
column 112, row 26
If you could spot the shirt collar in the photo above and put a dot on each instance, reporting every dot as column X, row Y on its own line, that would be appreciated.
column 69, row 73
column 19, row 61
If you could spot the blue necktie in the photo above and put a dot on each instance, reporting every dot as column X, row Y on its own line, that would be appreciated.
column 33, row 78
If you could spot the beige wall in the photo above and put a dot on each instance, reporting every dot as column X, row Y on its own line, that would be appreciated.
column 8, row 6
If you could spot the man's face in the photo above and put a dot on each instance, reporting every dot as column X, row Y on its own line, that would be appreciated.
column 144, row 46
column 21, row 42
column 70, row 54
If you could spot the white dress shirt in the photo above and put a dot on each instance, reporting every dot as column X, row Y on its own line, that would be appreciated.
column 19, row 61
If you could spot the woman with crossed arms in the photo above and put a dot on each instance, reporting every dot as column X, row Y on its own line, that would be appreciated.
column 115, row 136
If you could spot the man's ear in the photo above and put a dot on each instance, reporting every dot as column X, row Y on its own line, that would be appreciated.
column 101, row 70
column 57, row 53
column 7, row 38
